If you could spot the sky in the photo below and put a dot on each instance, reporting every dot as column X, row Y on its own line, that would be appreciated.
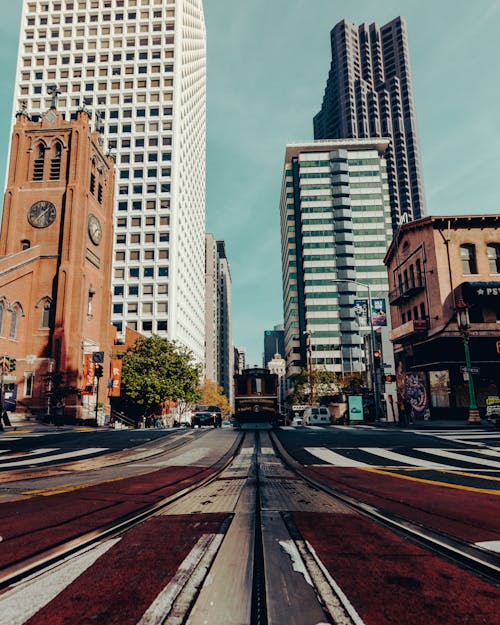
column 268, row 62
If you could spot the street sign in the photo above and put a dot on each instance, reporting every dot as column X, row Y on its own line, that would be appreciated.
column 8, row 379
column 386, row 365
column 474, row 370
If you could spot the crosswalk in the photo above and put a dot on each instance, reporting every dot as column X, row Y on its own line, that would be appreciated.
column 482, row 460
column 45, row 456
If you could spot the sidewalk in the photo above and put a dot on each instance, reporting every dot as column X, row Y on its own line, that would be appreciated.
column 442, row 424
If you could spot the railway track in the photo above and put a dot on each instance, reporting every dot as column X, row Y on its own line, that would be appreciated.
column 256, row 567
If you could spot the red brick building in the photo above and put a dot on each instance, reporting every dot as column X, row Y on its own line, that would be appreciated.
column 55, row 258
column 435, row 264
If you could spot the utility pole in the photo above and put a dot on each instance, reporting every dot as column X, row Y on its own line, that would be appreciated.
column 309, row 358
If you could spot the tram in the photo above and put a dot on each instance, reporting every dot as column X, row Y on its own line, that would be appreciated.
column 256, row 399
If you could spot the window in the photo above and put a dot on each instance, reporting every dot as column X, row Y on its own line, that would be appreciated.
column 14, row 320
column 28, row 383
column 468, row 258
column 2, row 316
column 45, row 314
column 39, row 162
column 493, row 251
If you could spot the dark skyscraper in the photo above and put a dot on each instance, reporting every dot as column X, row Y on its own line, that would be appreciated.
column 369, row 93
column 274, row 343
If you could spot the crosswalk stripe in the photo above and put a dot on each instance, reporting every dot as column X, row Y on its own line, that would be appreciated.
column 443, row 453
column 89, row 451
column 16, row 610
column 415, row 462
column 37, row 452
column 331, row 457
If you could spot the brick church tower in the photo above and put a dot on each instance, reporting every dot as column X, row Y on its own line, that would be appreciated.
column 55, row 258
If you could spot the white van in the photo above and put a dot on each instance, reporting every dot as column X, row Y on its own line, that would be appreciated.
column 317, row 415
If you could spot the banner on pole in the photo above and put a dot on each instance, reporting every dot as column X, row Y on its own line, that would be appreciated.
column 88, row 375
column 114, row 383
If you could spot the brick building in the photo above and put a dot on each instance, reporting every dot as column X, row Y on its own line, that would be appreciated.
column 435, row 264
column 55, row 258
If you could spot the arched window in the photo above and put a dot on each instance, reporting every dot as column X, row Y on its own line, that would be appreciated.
column 38, row 163
column 55, row 163
column 493, row 251
column 25, row 244
column 468, row 258
column 46, row 314
column 14, row 321
column 92, row 178
column 2, row 316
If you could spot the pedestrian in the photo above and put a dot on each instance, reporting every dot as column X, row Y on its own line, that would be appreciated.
column 59, row 414
column 5, row 417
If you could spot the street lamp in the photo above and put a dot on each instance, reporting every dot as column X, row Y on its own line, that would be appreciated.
column 310, row 367
column 376, row 390
column 463, row 324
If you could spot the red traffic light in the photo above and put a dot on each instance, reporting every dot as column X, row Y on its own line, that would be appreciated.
column 390, row 377
column 376, row 359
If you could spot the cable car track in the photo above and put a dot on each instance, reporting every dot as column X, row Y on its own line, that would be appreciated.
column 273, row 572
column 476, row 560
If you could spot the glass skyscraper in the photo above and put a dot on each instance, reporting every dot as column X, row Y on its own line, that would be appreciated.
column 369, row 93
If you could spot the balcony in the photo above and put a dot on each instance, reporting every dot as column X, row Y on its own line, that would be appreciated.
column 407, row 289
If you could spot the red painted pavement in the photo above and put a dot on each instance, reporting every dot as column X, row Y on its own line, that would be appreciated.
column 39, row 523
column 392, row 582
column 123, row 583
column 463, row 514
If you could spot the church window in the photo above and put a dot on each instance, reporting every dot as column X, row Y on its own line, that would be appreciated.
column 38, row 163
column 14, row 319
column 46, row 314
column 55, row 163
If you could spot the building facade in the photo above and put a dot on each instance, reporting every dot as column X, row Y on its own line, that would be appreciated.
column 240, row 359
column 369, row 93
column 335, row 230
column 274, row 343
column 219, row 352
column 436, row 266
column 55, row 261
column 225, row 325
column 141, row 68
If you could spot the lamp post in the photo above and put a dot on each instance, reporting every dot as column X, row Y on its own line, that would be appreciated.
column 376, row 390
column 310, row 367
column 463, row 324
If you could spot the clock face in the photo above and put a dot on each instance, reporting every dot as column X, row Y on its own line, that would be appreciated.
column 42, row 214
column 95, row 230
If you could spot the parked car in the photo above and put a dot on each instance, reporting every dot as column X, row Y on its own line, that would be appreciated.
column 206, row 415
column 297, row 421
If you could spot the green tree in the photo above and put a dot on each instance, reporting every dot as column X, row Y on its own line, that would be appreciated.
column 155, row 370
column 324, row 383
column 212, row 395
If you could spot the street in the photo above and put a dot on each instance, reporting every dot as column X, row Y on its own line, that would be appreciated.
column 303, row 525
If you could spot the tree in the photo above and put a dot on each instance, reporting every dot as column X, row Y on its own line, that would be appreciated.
column 212, row 395
column 155, row 370
column 324, row 383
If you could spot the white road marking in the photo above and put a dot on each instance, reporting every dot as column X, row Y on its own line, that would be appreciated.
column 333, row 458
column 34, row 452
column 187, row 458
column 196, row 561
column 89, row 451
column 414, row 462
column 443, row 453
column 491, row 545
column 25, row 600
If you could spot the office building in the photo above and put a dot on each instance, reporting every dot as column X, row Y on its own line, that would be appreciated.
column 139, row 67
column 335, row 230
column 369, row 93
column 274, row 343
column 219, row 353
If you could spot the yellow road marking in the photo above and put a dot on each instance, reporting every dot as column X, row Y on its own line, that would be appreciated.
column 65, row 488
column 434, row 483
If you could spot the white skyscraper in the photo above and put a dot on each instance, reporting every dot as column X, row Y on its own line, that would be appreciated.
column 141, row 66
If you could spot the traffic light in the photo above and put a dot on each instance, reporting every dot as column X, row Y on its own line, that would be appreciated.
column 98, row 371
column 12, row 364
column 390, row 377
column 376, row 359
column 98, row 357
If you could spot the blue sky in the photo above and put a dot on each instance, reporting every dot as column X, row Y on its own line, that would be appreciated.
column 268, row 62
